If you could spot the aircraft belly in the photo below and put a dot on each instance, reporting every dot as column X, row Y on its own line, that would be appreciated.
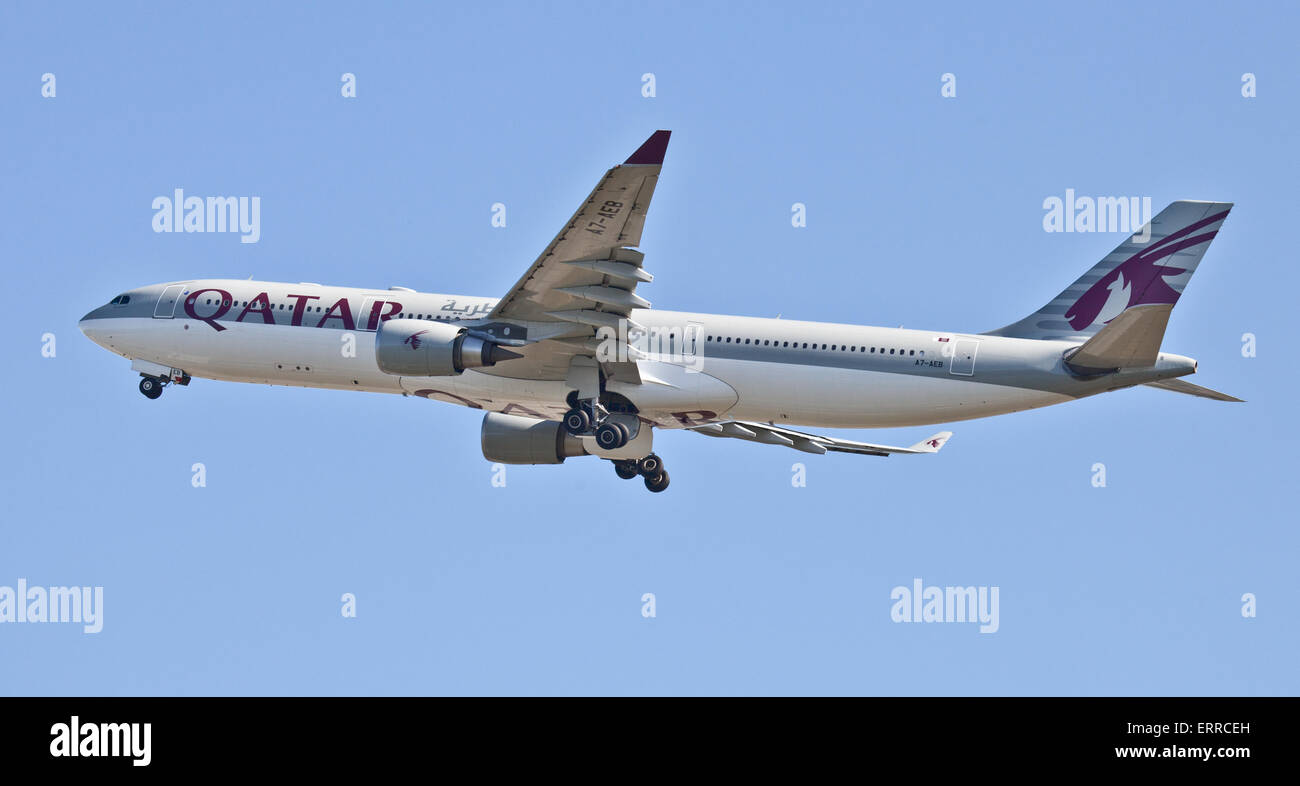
column 676, row 397
column 853, row 398
column 266, row 354
column 677, row 391
column 530, row 398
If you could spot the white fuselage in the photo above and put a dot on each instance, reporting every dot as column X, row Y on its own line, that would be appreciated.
column 713, row 367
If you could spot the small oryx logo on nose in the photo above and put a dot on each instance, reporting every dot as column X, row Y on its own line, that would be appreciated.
column 414, row 339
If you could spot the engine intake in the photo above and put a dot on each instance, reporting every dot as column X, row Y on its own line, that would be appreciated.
column 422, row 348
column 511, row 439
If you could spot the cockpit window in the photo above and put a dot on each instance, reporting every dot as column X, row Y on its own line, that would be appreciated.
column 120, row 300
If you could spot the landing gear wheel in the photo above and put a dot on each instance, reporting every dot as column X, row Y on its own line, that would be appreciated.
column 150, row 387
column 650, row 466
column 611, row 436
column 625, row 469
column 658, row 482
column 577, row 422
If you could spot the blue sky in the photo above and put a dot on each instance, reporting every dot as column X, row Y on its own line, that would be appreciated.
column 922, row 211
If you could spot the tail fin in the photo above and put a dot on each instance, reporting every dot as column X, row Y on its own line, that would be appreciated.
column 1149, row 268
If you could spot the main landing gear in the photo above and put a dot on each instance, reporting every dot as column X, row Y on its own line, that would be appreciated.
column 591, row 418
column 609, row 434
column 651, row 468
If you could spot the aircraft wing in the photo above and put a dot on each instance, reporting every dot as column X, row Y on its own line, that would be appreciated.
column 581, row 277
column 813, row 443
column 586, row 278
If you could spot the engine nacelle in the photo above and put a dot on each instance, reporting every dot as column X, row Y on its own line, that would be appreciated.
column 511, row 439
column 422, row 348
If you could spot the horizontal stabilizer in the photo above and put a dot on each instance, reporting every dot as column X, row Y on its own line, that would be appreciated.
column 1179, row 386
column 1130, row 340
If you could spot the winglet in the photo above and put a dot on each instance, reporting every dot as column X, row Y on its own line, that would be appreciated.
column 652, row 151
column 932, row 444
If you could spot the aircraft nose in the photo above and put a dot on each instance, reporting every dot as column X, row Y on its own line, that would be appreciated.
column 89, row 325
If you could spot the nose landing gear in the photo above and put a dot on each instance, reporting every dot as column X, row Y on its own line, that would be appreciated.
column 151, row 387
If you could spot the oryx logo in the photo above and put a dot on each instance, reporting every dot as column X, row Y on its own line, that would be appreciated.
column 129, row 740
column 414, row 339
column 1139, row 280
column 934, row 443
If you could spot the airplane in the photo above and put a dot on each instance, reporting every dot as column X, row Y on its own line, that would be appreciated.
column 573, row 361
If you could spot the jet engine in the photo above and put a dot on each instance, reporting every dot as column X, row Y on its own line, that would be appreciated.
column 511, row 439
column 421, row 348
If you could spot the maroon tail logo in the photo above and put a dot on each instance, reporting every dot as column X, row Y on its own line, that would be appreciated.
column 1139, row 280
column 414, row 339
